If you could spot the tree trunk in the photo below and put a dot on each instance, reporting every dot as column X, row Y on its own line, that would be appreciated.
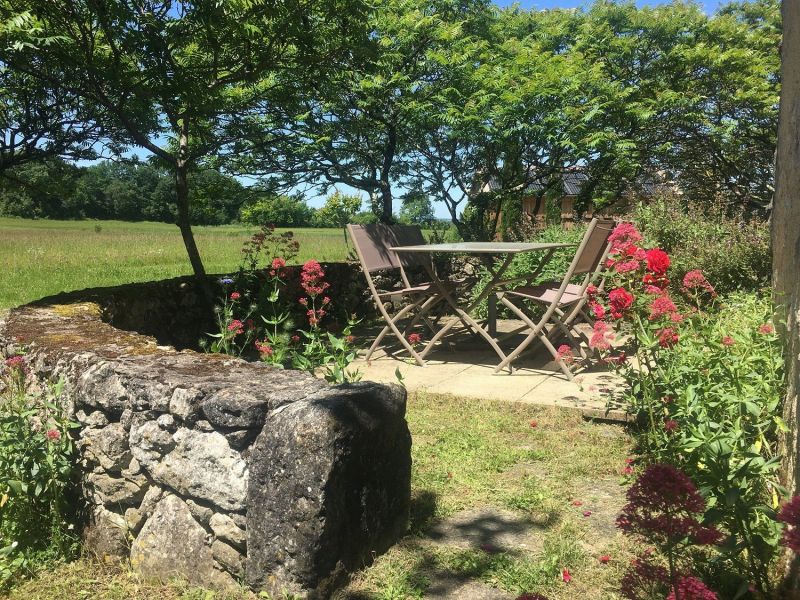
column 386, row 203
column 786, row 258
column 182, row 194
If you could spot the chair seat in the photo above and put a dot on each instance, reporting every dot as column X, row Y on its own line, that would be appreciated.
column 545, row 293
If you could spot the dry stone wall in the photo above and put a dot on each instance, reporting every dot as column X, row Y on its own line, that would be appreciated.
column 219, row 470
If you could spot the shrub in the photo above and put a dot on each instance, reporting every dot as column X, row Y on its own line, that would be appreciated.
column 732, row 250
column 37, row 458
column 704, row 377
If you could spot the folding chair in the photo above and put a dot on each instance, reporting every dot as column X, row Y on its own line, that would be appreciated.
column 563, row 302
column 372, row 243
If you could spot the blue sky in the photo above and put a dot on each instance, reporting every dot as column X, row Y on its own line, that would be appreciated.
column 709, row 5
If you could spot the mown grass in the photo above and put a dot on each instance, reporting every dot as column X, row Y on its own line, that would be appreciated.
column 465, row 454
column 39, row 257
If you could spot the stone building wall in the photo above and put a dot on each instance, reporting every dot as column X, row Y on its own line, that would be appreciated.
column 216, row 469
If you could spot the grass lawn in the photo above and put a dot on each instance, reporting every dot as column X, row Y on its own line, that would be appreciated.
column 40, row 257
column 535, row 462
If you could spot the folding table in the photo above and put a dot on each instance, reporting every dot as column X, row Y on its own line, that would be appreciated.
column 507, row 249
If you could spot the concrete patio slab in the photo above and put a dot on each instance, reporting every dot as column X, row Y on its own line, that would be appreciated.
column 464, row 366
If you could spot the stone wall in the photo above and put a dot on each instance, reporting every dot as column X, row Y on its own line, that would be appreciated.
column 216, row 469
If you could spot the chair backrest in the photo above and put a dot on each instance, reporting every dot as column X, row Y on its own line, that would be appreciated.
column 593, row 246
column 372, row 243
column 410, row 235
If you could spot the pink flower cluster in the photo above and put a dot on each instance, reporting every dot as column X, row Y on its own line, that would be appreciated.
column 691, row 588
column 263, row 348
column 312, row 279
column 664, row 506
column 236, row 327
column 645, row 270
column 16, row 363
column 277, row 267
column 565, row 353
column 694, row 282
column 790, row 514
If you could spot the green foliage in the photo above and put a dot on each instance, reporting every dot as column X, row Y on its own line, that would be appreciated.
column 128, row 191
column 255, row 316
column 704, row 376
column 732, row 250
column 278, row 210
column 526, row 263
column 417, row 210
column 338, row 210
column 36, row 467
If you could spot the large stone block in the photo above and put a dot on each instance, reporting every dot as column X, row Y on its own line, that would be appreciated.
column 172, row 544
column 174, row 478
column 329, row 486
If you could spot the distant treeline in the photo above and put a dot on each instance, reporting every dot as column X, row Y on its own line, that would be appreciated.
column 128, row 191
column 144, row 191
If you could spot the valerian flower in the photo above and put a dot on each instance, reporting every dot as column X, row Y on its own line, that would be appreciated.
column 691, row 588
column 790, row 514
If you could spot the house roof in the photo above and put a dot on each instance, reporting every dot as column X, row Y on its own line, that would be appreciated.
column 573, row 180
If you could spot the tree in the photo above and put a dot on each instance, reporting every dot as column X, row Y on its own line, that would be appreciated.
column 417, row 209
column 338, row 210
column 172, row 77
column 507, row 107
column 786, row 253
column 278, row 210
column 354, row 127
column 39, row 123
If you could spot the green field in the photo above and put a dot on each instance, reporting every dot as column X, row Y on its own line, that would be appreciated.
column 40, row 258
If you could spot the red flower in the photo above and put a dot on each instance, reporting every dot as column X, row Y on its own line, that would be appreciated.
column 670, row 425
column 620, row 300
column 604, row 559
column 350, row 339
column 695, row 280
column 691, row 588
column 53, row 435
column 236, row 326
column 624, row 235
column 577, row 503
column 264, row 349
column 657, row 261
column 766, row 329
column 667, row 337
column 597, row 310
column 728, row 341
column 661, row 306
column 311, row 279
column 235, row 296
column 587, row 513
column 414, row 338
column 534, row 423
column 15, row 363
column 790, row 514
column 627, row 266
column 278, row 263
column 664, row 506
column 628, row 470
column 565, row 576
column 295, row 338
column 565, row 353
column 601, row 336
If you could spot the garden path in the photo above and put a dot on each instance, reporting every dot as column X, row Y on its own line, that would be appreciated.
column 464, row 366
